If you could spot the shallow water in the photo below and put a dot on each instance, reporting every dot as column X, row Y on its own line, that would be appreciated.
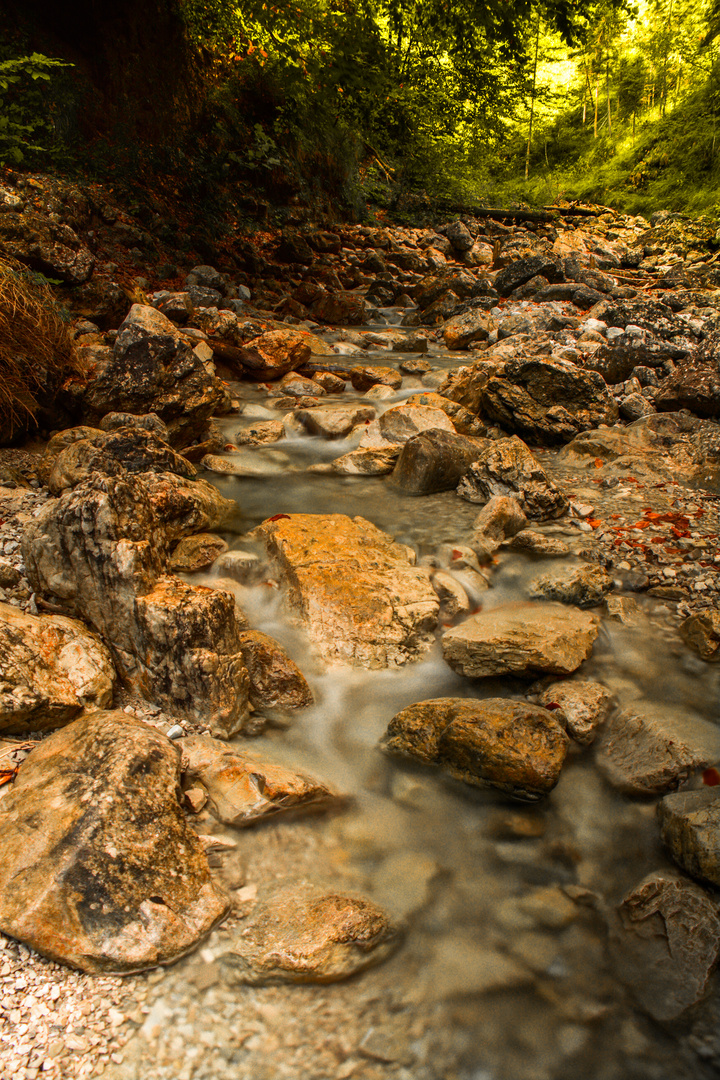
column 501, row 976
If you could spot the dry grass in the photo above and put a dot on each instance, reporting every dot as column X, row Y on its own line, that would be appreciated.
column 36, row 351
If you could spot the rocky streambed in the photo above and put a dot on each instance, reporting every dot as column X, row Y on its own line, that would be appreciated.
column 359, row 711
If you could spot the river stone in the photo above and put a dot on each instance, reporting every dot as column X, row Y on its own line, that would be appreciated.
column 99, row 868
column 664, row 941
column 152, row 368
column 242, row 788
column 513, row 746
column 260, row 434
column 453, row 598
column 301, row 936
column 508, row 467
column 548, row 401
column 499, row 519
column 521, row 639
column 187, row 507
column 113, row 453
column 701, row 632
column 281, row 351
column 334, row 421
column 196, row 552
column 275, row 680
column 434, row 460
column 464, row 421
column 51, row 667
column 367, row 461
column 357, row 592
column 243, row 462
column 536, row 543
column 584, row 586
column 365, row 377
column 586, row 706
column 401, row 423
column 690, row 825
column 652, row 753
column 461, row 330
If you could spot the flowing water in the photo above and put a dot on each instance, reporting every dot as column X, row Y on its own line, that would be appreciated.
column 503, row 974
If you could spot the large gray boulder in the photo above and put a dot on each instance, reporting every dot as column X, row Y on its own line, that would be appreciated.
column 100, row 869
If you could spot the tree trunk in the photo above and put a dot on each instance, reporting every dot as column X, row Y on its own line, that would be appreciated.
column 607, row 94
column 597, row 91
column 532, row 100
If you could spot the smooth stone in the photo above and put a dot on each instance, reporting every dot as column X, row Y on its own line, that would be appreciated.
column 335, row 421
column 367, row 461
column 521, row 639
column 300, row 935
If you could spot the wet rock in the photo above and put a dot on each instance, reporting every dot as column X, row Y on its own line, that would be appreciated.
column 187, row 507
column 521, row 639
column 464, row 422
column 651, row 753
column 453, row 598
column 548, row 401
column 695, row 384
column 356, row 591
column 302, row 936
column 111, row 454
column 275, row 680
column 512, row 746
column 508, row 467
column 585, row 705
column 99, row 869
column 51, row 667
column 243, row 789
column 335, row 421
column 364, row 378
column 461, row 330
column 367, row 461
column 499, row 519
column 242, row 462
column 401, row 423
column 269, row 431
column 196, row 552
column 243, row 566
column 280, row 351
column 520, row 271
column 435, row 460
column 537, row 543
column 101, row 550
column 664, row 940
column 690, row 826
column 149, row 422
column 584, row 586
column 152, row 368
column 702, row 633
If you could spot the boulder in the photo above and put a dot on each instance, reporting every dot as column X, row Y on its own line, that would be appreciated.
column 152, row 368
column 100, row 869
column 548, row 401
column 51, row 247
column 260, row 433
column 357, row 592
column 187, row 507
column 459, row 236
column 521, row 639
column 340, row 309
column 533, row 542
column 508, row 467
column 701, row 632
column 584, row 586
column 664, row 939
column 51, row 667
column 435, row 460
column 690, row 826
column 364, row 378
column 464, row 422
column 193, row 553
column 461, row 330
column 280, row 351
column 101, row 551
column 695, row 383
column 367, row 461
column 649, row 752
column 335, row 421
column 112, row 454
column 402, row 422
column 513, row 746
column 500, row 518
column 243, row 789
column 300, row 935
column 585, row 705
column 275, row 679
column 520, row 271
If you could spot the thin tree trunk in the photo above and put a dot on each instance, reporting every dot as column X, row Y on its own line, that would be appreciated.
column 532, row 100
column 607, row 93
column 597, row 91
column 633, row 135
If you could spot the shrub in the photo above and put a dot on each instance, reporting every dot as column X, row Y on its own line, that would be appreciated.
column 36, row 351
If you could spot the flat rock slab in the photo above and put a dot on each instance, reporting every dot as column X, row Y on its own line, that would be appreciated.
column 664, row 940
column 358, row 594
column 513, row 746
column 99, row 868
column 521, row 639
column 690, row 824
column 299, row 936
column 651, row 753
column 51, row 667
column 244, row 789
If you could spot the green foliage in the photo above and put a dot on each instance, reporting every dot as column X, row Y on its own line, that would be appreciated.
column 23, row 114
